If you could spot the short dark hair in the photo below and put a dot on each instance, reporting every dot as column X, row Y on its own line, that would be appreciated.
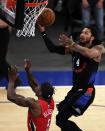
column 93, row 30
column 47, row 90
column 94, row 33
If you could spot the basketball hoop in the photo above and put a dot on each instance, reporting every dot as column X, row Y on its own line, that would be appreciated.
column 33, row 9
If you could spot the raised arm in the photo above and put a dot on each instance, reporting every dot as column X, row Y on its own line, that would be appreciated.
column 50, row 45
column 11, row 94
column 93, row 53
column 31, row 79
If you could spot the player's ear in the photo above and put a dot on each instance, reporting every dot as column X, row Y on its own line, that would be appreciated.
column 40, row 92
column 92, row 38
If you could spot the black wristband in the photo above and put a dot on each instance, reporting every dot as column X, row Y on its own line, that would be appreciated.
column 43, row 33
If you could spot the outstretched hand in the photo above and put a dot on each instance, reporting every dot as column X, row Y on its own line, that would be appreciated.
column 27, row 64
column 42, row 28
column 65, row 40
column 12, row 75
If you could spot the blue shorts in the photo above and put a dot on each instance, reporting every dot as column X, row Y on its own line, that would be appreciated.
column 83, row 100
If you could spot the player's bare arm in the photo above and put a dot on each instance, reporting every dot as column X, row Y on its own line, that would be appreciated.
column 93, row 53
column 33, row 105
column 11, row 94
column 20, row 100
column 31, row 79
column 100, row 49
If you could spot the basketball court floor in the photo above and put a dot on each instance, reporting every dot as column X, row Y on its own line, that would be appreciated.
column 55, row 69
column 14, row 118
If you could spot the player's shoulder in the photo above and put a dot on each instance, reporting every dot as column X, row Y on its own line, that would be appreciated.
column 31, row 102
column 99, row 47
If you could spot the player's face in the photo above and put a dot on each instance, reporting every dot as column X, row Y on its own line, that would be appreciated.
column 86, row 36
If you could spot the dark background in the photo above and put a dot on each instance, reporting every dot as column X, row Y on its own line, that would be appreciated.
column 35, row 49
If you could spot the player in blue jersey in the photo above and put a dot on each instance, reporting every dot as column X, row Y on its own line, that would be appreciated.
column 86, row 56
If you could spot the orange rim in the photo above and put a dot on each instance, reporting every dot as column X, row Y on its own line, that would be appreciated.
column 35, row 4
column 13, row 3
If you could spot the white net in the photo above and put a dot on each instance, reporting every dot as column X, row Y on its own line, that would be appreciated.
column 31, row 15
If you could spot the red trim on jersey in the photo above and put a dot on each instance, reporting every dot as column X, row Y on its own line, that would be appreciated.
column 89, row 91
column 81, row 69
column 42, row 122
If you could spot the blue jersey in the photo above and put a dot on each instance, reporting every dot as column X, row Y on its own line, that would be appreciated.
column 84, row 71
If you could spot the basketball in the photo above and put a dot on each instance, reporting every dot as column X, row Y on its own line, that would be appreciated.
column 47, row 17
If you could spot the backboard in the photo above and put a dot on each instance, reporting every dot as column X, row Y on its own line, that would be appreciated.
column 12, row 12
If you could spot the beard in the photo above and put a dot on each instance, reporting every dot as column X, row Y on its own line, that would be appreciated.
column 85, row 43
